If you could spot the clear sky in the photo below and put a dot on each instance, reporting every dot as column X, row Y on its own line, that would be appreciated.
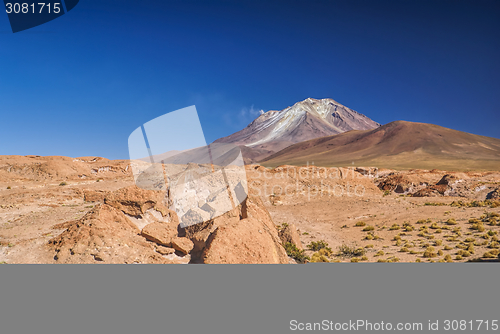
column 79, row 85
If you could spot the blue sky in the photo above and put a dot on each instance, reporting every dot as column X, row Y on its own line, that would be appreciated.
column 79, row 85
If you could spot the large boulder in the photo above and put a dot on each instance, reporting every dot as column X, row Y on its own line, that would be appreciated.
column 246, row 235
column 109, row 233
column 103, row 235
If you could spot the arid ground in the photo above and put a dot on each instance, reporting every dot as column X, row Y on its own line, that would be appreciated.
column 88, row 210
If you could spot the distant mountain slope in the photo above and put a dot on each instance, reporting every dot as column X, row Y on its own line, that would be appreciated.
column 305, row 120
column 396, row 145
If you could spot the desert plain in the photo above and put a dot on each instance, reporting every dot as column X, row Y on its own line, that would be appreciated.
column 89, row 210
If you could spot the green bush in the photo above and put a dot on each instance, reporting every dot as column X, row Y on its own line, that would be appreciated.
column 325, row 251
column 361, row 223
column 295, row 253
column 394, row 227
column 368, row 228
column 347, row 251
column 317, row 245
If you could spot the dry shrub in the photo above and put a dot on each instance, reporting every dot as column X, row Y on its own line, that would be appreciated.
column 430, row 252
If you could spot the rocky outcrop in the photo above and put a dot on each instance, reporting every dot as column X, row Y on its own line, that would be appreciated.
column 289, row 234
column 397, row 183
column 448, row 185
column 94, row 195
column 494, row 195
column 246, row 234
column 104, row 235
column 135, row 201
column 110, row 233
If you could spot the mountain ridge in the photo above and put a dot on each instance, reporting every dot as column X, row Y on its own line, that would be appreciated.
column 399, row 144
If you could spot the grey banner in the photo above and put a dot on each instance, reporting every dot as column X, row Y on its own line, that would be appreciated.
column 243, row 298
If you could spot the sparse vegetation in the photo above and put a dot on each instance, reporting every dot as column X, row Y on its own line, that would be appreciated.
column 368, row 228
column 63, row 184
column 380, row 253
column 318, row 257
column 295, row 253
column 430, row 252
column 9, row 187
column 350, row 251
column 318, row 245
column 451, row 221
column 360, row 223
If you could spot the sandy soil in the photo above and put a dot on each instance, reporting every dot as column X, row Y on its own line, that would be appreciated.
column 31, row 204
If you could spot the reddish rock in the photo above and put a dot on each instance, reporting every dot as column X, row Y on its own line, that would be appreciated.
column 245, row 235
column 289, row 234
column 160, row 233
column 104, row 235
column 133, row 200
column 396, row 182
column 164, row 250
column 94, row 195
column 183, row 245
